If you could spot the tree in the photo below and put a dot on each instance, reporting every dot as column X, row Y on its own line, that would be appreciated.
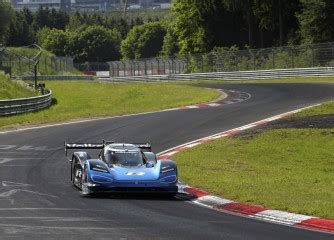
column 125, row 7
column 317, row 21
column 190, row 26
column 53, row 40
column 58, row 19
column 20, row 32
column 6, row 15
column 245, row 9
column 143, row 41
column 94, row 43
column 202, row 25
column 278, row 16
column 170, row 45
column 44, row 17
column 27, row 15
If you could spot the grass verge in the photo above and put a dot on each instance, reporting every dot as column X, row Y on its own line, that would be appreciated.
column 10, row 89
column 78, row 99
column 287, row 169
column 323, row 109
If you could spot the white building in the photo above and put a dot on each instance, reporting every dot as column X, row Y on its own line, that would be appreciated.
column 34, row 5
column 89, row 5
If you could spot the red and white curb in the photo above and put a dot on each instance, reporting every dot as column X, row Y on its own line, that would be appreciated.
column 203, row 198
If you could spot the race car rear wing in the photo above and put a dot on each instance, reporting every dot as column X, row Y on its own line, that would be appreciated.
column 145, row 147
column 82, row 146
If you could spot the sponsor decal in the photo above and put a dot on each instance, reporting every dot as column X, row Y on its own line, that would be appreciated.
column 135, row 173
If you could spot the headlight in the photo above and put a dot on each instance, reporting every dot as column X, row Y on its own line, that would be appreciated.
column 100, row 170
column 169, row 179
column 167, row 169
column 90, row 184
column 100, row 179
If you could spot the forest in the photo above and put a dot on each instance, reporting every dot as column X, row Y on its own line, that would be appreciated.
column 192, row 26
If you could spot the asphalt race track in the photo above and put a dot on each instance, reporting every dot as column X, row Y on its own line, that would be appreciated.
column 37, row 200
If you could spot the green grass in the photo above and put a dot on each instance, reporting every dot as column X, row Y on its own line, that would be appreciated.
column 323, row 109
column 10, row 89
column 78, row 99
column 286, row 169
column 29, row 52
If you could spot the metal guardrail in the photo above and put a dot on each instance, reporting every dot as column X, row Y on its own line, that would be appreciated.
column 239, row 75
column 23, row 105
column 56, row 77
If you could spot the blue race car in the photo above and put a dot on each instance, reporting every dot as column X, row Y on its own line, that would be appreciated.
column 121, row 167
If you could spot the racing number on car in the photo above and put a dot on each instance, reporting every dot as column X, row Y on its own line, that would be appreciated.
column 78, row 173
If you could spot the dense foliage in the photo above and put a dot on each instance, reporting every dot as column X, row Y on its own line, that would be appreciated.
column 6, row 13
column 193, row 26
column 143, row 41
column 87, row 43
column 317, row 20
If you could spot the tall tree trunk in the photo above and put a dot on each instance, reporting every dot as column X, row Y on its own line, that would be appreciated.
column 261, row 38
column 250, row 22
column 125, row 7
column 281, row 23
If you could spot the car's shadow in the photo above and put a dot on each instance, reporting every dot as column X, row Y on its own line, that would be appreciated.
column 139, row 196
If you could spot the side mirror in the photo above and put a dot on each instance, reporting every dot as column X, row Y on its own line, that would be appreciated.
column 150, row 165
column 151, row 157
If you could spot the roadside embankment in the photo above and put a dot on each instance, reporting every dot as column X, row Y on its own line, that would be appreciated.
column 82, row 99
column 287, row 164
column 13, row 89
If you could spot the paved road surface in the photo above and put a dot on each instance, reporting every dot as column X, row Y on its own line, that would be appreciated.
column 37, row 200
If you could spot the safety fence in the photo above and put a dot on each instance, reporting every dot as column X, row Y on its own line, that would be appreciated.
column 239, row 75
column 221, row 60
column 23, row 105
column 31, row 61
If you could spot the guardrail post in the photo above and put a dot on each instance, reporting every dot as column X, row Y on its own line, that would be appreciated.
column 131, row 69
column 254, row 62
column 35, row 75
column 20, row 65
column 10, row 65
column 202, row 63
column 292, row 59
column 273, row 59
column 164, row 66
column 145, row 67
column 124, row 69
column 46, row 64
column 112, row 70
column 187, row 64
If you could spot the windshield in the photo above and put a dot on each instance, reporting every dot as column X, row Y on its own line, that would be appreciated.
column 129, row 159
